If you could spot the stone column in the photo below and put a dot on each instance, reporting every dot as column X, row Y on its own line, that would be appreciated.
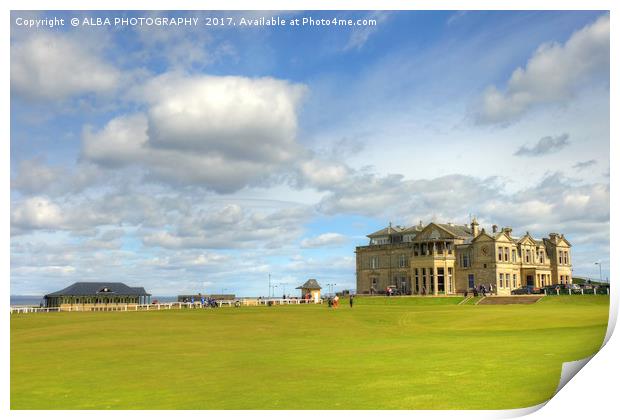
column 435, row 282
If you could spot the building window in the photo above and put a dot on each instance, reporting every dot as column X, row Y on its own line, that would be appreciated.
column 441, row 286
column 499, row 253
column 449, row 247
column 501, row 280
column 374, row 262
column 415, row 250
column 402, row 261
column 470, row 279
column 449, row 279
column 514, row 281
column 514, row 255
column 527, row 256
column 431, row 275
column 465, row 260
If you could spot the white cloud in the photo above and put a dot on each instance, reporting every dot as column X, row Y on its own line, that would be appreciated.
column 544, row 146
column 553, row 74
column 36, row 213
column 35, row 177
column 222, row 133
column 322, row 174
column 584, row 164
column 54, row 66
column 123, row 141
column 324, row 240
column 231, row 227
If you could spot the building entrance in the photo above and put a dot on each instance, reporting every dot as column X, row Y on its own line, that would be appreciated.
column 530, row 280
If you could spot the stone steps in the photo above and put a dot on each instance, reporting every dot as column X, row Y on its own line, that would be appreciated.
column 510, row 300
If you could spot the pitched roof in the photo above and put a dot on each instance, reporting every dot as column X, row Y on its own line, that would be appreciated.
column 310, row 284
column 99, row 288
column 386, row 231
column 457, row 230
column 412, row 229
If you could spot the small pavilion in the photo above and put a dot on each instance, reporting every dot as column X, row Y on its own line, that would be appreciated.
column 312, row 289
column 97, row 293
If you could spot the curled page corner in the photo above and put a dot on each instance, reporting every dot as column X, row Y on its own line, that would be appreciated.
column 570, row 369
column 519, row 412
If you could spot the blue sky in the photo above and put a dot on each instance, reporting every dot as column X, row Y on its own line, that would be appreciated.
column 201, row 159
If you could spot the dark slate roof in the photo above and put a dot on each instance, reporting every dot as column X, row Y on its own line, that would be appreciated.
column 310, row 284
column 390, row 230
column 96, row 288
column 412, row 229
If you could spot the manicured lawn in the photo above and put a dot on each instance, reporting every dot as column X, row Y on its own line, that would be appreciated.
column 396, row 353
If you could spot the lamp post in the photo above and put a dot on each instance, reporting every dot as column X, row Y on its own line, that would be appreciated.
column 331, row 288
column 600, row 271
column 283, row 287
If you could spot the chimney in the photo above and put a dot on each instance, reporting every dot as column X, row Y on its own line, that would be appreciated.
column 474, row 227
column 507, row 231
column 494, row 228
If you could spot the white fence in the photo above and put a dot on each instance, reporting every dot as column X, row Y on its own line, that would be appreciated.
column 163, row 306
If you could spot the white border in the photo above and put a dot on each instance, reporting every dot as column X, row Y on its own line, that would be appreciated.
column 592, row 394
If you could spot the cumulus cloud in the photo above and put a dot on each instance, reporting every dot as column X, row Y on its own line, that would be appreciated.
column 223, row 133
column 82, row 215
column 54, row 66
column 37, row 213
column 544, row 146
column 369, row 194
column 585, row 164
column 35, row 177
column 553, row 74
column 555, row 203
column 324, row 240
column 232, row 228
column 321, row 174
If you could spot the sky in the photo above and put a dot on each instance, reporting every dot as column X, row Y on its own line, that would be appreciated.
column 207, row 158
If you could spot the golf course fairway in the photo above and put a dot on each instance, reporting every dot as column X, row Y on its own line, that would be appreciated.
column 384, row 353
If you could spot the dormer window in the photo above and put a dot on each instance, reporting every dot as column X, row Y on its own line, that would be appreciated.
column 105, row 290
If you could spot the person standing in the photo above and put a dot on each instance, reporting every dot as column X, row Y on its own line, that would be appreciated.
column 351, row 301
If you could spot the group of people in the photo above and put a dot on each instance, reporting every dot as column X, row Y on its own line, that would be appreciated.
column 334, row 302
column 481, row 290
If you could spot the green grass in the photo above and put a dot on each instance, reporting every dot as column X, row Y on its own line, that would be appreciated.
column 401, row 353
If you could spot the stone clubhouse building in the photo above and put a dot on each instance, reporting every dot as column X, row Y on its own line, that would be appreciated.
column 446, row 259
